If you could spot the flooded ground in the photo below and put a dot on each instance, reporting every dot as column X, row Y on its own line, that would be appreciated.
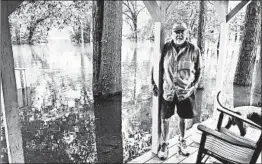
column 59, row 125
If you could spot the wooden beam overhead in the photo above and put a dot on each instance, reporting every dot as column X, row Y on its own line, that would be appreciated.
column 234, row 11
column 154, row 10
column 171, row 7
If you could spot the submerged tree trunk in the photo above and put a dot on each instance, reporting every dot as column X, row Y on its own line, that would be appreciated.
column 83, row 75
column 256, row 84
column 107, row 87
column 135, row 70
column 247, row 55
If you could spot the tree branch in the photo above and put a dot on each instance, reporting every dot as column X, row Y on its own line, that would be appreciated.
column 171, row 7
column 128, row 15
column 129, row 25
column 133, row 6
column 140, row 11
column 127, row 5
column 168, row 6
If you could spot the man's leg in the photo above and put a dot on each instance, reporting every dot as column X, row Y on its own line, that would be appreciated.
column 185, row 110
column 163, row 152
column 182, row 128
column 167, row 110
column 165, row 130
column 182, row 147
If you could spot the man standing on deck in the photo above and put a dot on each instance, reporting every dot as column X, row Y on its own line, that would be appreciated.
column 179, row 75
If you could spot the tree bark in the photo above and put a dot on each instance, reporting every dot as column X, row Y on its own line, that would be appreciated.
column 256, row 84
column 135, row 27
column 107, row 87
column 98, row 13
column 201, row 45
column 247, row 55
column 135, row 70
column 201, row 32
column 256, row 81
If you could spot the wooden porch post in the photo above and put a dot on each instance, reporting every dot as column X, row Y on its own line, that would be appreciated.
column 158, row 12
column 156, row 130
column 154, row 11
column 222, row 9
column 11, row 113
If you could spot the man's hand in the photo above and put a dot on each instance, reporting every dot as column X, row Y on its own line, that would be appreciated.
column 185, row 93
column 155, row 90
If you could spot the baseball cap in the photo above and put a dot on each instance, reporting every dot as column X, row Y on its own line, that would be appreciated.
column 179, row 26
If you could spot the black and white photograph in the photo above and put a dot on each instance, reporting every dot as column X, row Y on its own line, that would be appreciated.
column 131, row 81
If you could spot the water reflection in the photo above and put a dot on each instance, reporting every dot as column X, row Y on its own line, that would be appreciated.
column 59, row 125
column 137, row 99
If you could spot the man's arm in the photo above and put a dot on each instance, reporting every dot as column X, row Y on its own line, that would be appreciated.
column 152, row 76
column 199, row 69
column 155, row 87
column 198, row 74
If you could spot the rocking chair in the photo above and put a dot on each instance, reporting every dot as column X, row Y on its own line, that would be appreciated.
column 227, row 146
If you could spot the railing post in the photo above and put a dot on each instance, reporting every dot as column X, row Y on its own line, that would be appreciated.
column 222, row 9
column 156, row 106
column 10, row 111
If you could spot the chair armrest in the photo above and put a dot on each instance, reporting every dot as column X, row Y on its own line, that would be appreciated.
column 237, row 137
column 224, row 137
column 231, row 113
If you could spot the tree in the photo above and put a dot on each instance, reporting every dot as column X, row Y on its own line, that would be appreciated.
column 131, row 10
column 35, row 13
column 134, row 65
column 184, row 11
column 201, row 45
column 107, row 87
column 256, row 83
column 33, row 20
column 247, row 54
column 79, row 18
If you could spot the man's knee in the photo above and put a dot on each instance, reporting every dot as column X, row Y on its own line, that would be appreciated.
column 181, row 120
column 165, row 120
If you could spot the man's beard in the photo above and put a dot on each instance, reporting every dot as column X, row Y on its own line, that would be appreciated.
column 179, row 40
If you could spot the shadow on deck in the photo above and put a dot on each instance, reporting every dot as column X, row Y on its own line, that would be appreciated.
column 193, row 137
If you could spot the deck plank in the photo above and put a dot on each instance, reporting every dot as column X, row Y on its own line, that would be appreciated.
column 192, row 158
column 175, row 158
column 149, row 155
column 143, row 158
column 212, row 160
column 172, row 148
column 178, row 158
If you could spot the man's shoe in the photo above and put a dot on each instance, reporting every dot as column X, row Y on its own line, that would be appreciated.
column 182, row 148
column 163, row 152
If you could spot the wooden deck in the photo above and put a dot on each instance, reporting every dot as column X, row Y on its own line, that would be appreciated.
column 193, row 137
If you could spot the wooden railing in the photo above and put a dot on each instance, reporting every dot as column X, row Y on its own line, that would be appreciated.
column 23, row 91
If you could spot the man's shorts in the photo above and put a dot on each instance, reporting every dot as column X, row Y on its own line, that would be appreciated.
column 185, row 109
